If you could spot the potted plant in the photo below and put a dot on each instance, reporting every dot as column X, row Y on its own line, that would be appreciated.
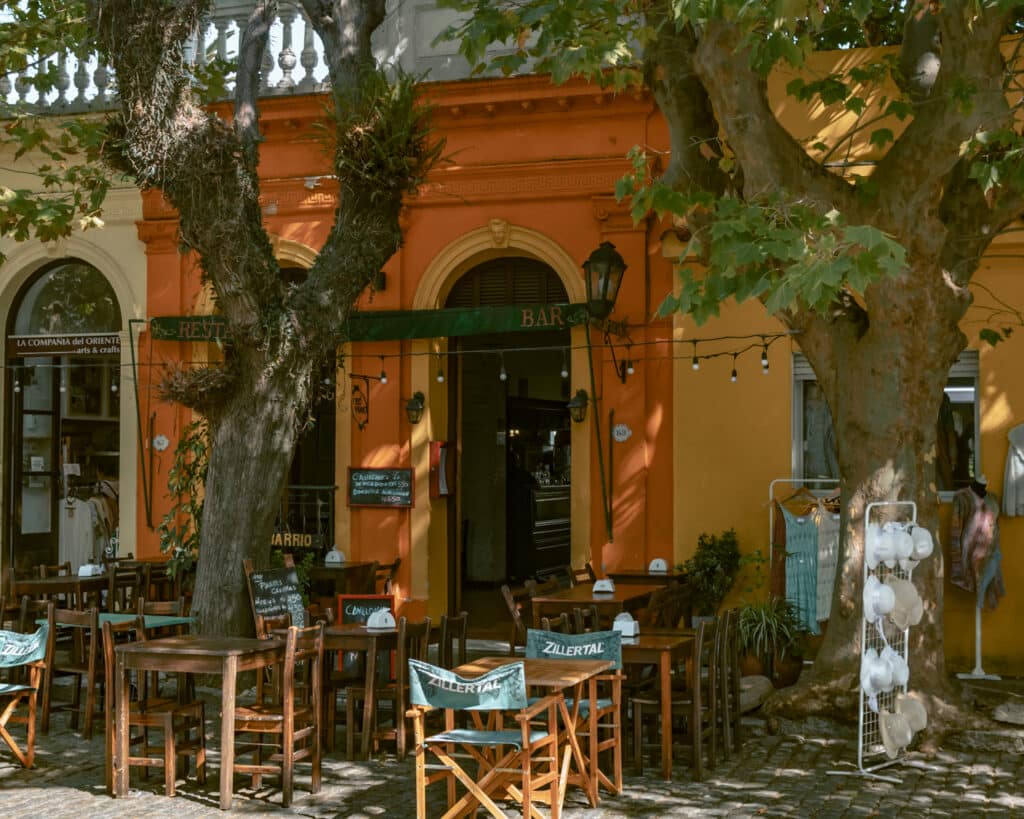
column 712, row 570
column 770, row 634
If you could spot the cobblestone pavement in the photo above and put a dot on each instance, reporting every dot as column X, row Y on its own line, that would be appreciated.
column 775, row 776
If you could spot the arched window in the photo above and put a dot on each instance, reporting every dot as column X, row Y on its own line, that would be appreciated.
column 70, row 298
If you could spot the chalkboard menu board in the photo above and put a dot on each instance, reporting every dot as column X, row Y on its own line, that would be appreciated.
column 276, row 592
column 379, row 487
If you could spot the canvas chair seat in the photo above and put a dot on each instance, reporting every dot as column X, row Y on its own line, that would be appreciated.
column 522, row 763
column 469, row 736
column 599, row 716
column 21, row 651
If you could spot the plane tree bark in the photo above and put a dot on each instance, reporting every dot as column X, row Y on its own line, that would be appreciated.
column 281, row 334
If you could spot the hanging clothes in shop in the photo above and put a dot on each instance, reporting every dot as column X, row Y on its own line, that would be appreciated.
column 1013, row 479
column 975, row 557
column 802, row 568
column 828, row 557
column 77, row 533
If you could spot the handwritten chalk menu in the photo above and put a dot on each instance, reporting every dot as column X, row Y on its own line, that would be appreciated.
column 276, row 592
column 379, row 487
column 357, row 608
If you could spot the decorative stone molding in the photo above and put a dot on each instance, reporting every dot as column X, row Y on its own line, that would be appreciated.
column 499, row 232
column 615, row 217
column 159, row 236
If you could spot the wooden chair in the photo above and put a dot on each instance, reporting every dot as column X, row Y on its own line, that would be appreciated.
column 25, row 653
column 166, row 608
column 599, row 713
column 729, row 714
column 584, row 574
column 413, row 642
column 127, row 584
column 386, row 574
column 83, row 663
column 521, row 761
column 560, row 624
column 292, row 723
column 451, row 650
column 536, row 588
column 182, row 724
column 359, row 579
column 69, row 601
column 586, row 618
column 698, row 705
column 517, row 602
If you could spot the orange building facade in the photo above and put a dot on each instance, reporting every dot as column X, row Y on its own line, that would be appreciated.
column 525, row 197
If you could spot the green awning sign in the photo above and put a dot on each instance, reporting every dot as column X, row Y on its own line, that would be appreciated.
column 387, row 325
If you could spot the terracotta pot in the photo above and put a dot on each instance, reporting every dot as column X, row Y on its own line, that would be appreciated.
column 751, row 665
column 786, row 670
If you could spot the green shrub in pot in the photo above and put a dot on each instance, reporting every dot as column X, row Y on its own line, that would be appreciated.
column 770, row 631
column 712, row 570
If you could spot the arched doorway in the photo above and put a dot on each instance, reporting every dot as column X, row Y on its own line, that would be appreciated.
column 63, row 455
column 513, row 427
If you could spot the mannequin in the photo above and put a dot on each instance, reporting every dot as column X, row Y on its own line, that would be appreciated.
column 975, row 557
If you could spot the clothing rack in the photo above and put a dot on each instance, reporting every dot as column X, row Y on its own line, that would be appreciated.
column 771, row 503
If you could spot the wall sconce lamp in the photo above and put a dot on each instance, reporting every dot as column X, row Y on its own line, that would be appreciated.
column 578, row 406
column 604, row 268
column 414, row 407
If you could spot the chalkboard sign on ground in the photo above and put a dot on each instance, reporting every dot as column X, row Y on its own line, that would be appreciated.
column 276, row 592
column 357, row 608
column 379, row 487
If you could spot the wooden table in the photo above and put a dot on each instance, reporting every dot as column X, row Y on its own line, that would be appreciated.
column 647, row 577
column 196, row 655
column 627, row 597
column 555, row 676
column 664, row 648
column 50, row 587
column 357, row 637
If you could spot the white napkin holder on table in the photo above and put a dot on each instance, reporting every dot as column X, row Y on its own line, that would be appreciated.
column 604, row 586
column 658, row 566
column 335, row 557
column 626, row 625
column 90, row 570
column 381, row 619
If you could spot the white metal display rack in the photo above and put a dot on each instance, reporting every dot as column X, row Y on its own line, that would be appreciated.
column 878, row 636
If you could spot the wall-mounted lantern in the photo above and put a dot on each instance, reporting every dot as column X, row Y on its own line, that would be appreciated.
column 578, row 406
column 414, row 407
column 603, row 269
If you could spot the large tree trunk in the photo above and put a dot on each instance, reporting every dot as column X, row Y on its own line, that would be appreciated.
column 885, row 386
column 252, row 439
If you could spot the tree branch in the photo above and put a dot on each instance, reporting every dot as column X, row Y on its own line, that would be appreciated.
column 684, row 103
column 345, row 27
column 967, row 95
column 770, row 157
column 253, row 42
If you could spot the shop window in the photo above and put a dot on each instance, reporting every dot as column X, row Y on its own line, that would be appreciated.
column 957, row 427
column 71, row 298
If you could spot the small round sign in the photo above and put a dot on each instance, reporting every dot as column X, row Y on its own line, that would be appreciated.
column 621, row 433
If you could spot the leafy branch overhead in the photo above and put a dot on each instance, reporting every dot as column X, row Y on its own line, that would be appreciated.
column 921, row 129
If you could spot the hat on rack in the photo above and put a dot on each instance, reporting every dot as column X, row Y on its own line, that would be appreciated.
column 903, row 543
column 900, row 669
column 880, row 546
column 908, row 608
column 879, row 599
column 875, row 675
column 895, row 731
column 913, row 709
column 924, row 544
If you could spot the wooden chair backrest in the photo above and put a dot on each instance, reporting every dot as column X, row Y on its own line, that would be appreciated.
column 560, row 624
column 111, row 632
column 454, row 631
column 57, row 570
column 584, row 574
column 32, row 610
column 586, row 618
column 170, row 608
column 517, row 603
column 413, row 643
column 303, row 667
column 536, row 588
column 126, row 584
column 385, row 576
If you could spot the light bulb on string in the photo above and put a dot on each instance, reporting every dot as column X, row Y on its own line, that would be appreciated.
column 440, row 371
column 565, row 364
column 696, row 361
column 503, row 373
column 63, row 381
column 732, row 376
column 17, row 385
column 629, row 361
column 764, row 360
column 113, row 384
column 383, row 373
